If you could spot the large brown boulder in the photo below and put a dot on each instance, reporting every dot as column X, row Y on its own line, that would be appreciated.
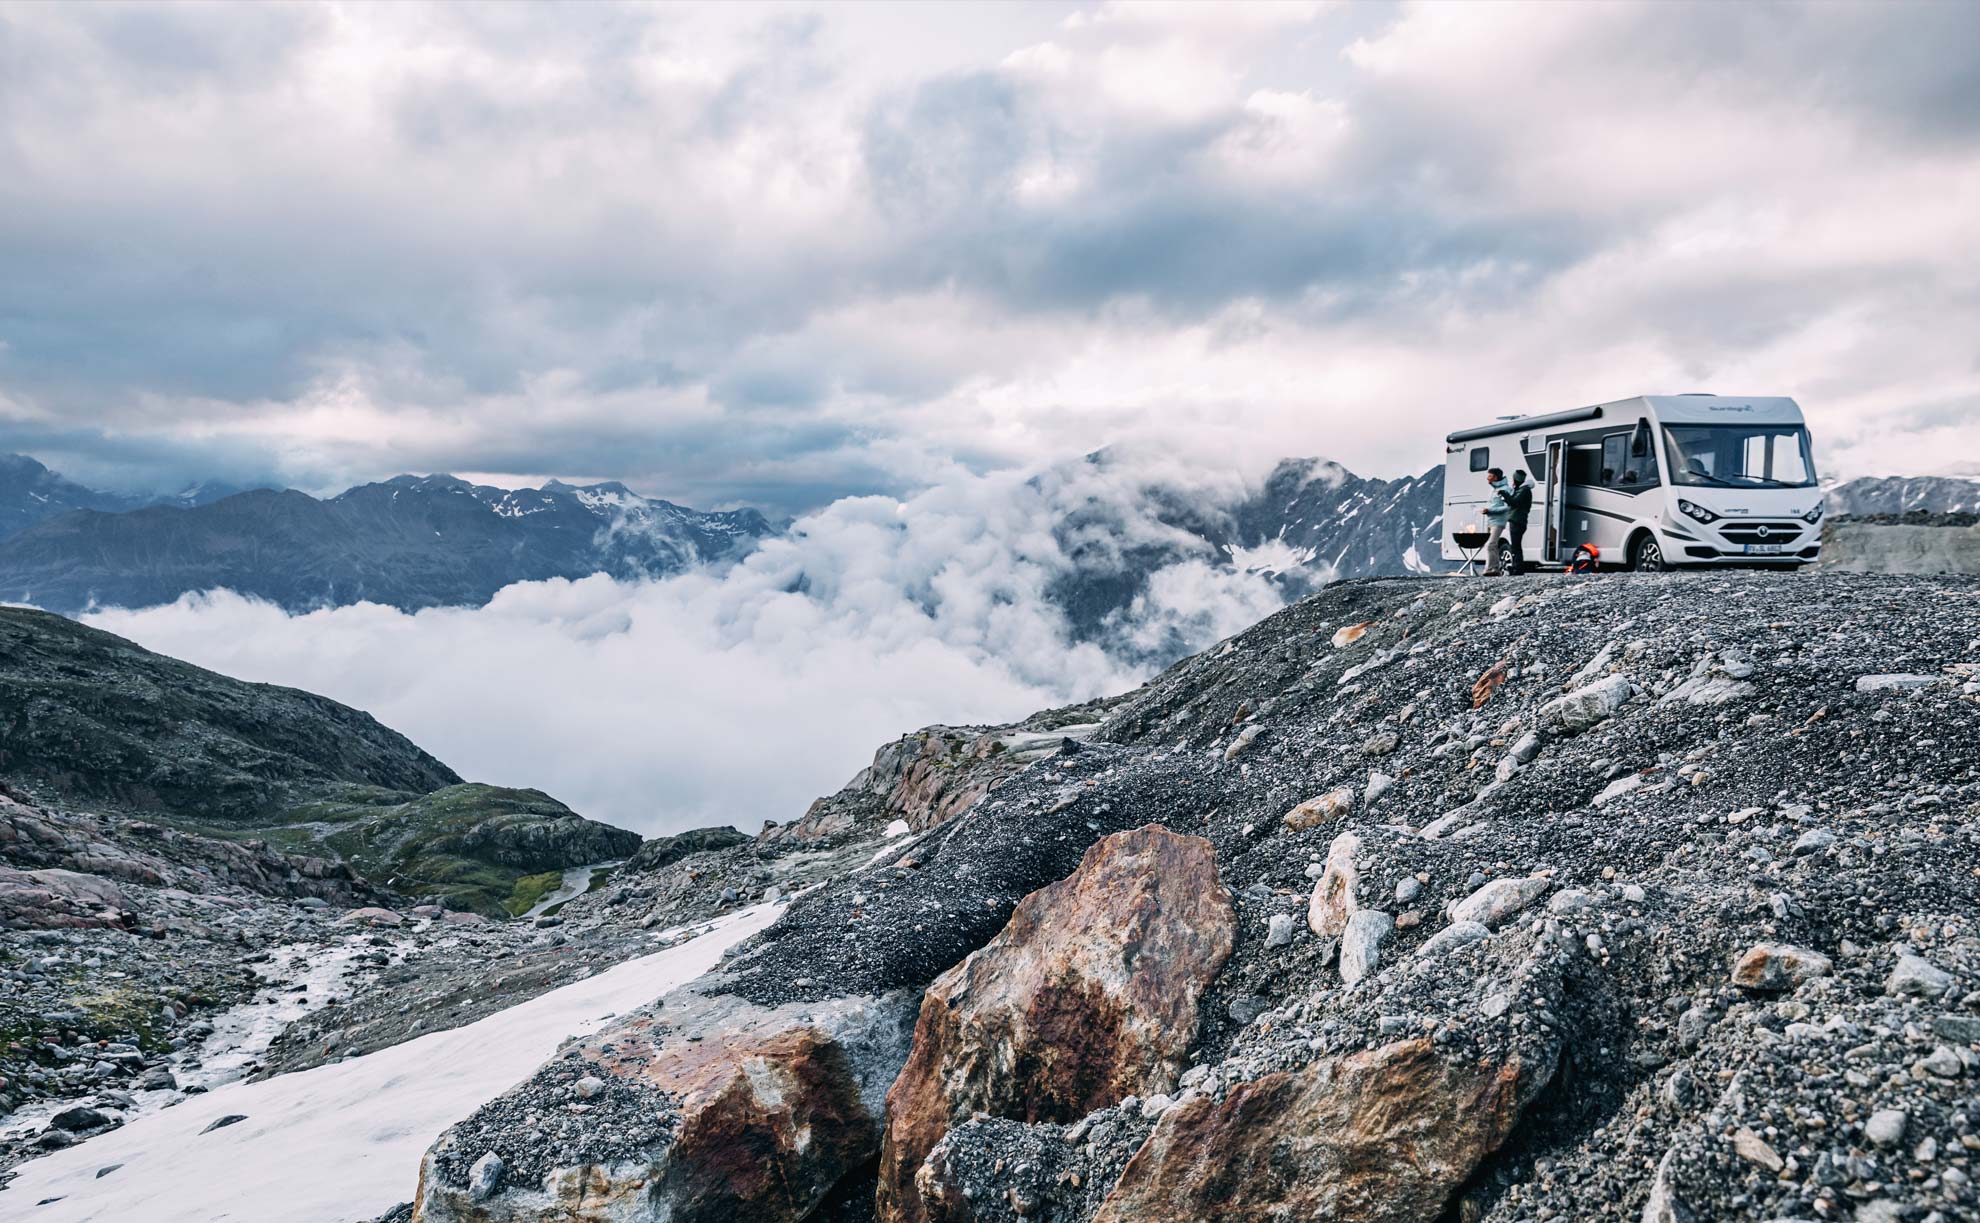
column 700, row 1108
column 1384, row 1136
column 1089, row 995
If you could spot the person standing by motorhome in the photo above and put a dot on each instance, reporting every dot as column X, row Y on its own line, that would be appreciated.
column 1520, row 499
column 1497, row 511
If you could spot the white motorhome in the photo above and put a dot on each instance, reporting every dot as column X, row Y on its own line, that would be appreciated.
column 1653, row 482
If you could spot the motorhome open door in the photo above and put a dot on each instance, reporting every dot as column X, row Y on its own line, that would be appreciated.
column 1556, row 502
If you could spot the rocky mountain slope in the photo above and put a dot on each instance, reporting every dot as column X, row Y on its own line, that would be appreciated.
column 469, row 845
column 145, row 961
column 89, row 719
column 1311, row 522
column 1353, row 525
column 410, row 542
column 91, row 715
column 30, row 493
column 1636, row 898
column 1903, row 495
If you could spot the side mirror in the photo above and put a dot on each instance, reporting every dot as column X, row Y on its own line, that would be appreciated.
column 1639, row 442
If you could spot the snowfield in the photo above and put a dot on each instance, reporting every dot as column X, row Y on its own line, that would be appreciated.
column 342, row 1142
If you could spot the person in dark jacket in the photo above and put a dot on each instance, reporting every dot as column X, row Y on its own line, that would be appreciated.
column 1520, row 499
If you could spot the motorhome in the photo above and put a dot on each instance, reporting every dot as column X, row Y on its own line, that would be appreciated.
column 1653, row 482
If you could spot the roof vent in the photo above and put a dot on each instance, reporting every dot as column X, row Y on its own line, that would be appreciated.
column 1698, row 395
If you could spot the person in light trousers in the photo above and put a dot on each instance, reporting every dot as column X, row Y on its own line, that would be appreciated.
column 1498, row 511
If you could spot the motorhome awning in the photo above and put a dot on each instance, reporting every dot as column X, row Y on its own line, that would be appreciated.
column 1524, row 424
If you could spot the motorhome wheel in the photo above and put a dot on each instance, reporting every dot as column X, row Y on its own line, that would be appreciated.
column 1646, row 555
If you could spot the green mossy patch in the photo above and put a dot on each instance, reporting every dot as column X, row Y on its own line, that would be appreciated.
column 471, row 845
column 531, row 888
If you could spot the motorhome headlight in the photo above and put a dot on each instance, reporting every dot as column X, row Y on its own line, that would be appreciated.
column 1813, row 516
column 1695, row 512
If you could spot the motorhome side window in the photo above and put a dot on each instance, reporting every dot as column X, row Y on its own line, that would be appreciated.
column 1615, row 453
column 1481, row 458
column 1628, row 461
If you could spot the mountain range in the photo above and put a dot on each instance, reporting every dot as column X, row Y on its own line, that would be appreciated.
column 423, row 541
column 409, row 542
column 414, row 542
column 30, row 493
column 1905, row 494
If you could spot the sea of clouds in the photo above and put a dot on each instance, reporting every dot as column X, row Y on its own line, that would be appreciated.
column 737, row 696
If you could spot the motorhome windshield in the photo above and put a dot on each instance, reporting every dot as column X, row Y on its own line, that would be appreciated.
column 1740, row 456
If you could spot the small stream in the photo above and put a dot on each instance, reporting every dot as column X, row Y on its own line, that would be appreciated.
column 577, row 880
column 296, row 979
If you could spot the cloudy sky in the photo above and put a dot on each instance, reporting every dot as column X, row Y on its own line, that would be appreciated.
column 775, row 254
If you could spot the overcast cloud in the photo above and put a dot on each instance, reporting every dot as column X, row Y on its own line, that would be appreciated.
column 780, row 254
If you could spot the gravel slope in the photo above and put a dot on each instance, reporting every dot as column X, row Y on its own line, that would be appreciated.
column 1664, row 772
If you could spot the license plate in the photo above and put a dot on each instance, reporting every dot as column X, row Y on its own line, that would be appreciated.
column 1764, row 549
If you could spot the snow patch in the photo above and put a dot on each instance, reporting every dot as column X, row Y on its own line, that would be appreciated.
column 1273, row 556
column 341, row 1141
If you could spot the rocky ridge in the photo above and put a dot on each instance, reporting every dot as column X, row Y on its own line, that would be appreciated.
column 1613, row 898
column 94, row 717
column 98, row 722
